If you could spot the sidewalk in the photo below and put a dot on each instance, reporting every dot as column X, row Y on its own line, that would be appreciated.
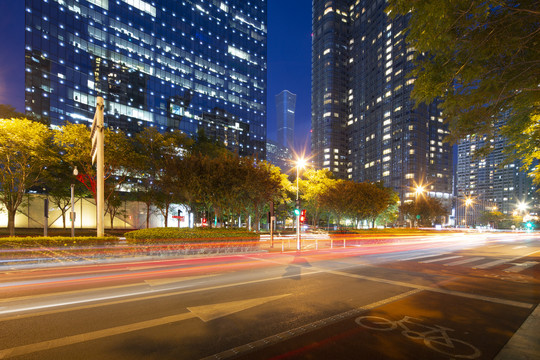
column 525, row 343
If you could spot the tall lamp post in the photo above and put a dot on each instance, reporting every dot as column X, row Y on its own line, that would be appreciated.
column 72, row 214
column 300, row 163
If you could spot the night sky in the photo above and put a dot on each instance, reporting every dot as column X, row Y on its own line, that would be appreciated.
column 289, row 59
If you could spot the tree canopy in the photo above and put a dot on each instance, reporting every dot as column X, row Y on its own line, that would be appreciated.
column 25, row 152
column 482, row 60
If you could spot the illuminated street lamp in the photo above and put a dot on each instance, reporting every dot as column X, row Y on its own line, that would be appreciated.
column 521, row 206
column 419, row 190
column 468, row 202
column 300, row 163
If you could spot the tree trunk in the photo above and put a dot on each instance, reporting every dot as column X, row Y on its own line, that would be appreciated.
column 64, row 218
column 11, row 222
column 147, row 215
column 111, row 215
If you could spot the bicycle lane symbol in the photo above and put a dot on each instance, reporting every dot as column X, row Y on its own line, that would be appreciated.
column 435, row 337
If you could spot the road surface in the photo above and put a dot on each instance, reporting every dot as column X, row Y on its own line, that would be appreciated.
column 450, row 297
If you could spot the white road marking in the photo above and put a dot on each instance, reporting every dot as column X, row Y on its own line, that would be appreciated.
column 205, row 313
column 502, row 261
column 519, row 247
column 274, row 339
column 520, row 267
column 422, row 257
column 465, row 261
column 491, row 264
column 441, row 259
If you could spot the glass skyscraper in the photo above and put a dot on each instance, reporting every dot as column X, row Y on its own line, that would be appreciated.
column 364, row 124
column 285, row 111
column 174, row 64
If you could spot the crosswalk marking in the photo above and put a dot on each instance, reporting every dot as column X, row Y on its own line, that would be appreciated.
column 421, row 257
column 519, row 247
column 491, row 264
column 441, row 259
column 465, row 261
column 519, row 267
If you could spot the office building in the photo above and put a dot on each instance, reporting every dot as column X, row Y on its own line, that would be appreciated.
column 364, row 124
column 279, row 155
column 172, row 64
column 285, row 110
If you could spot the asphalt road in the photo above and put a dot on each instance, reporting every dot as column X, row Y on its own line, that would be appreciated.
column 452, row 297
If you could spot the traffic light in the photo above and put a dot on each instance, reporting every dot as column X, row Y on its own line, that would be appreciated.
column 204, row 222
column 530, row 225
column 303, row 216
column 297, row 212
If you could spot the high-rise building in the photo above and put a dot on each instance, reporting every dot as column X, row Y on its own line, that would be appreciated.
column 364, row 124
column 167, row 63
column 279, row 155
column 285, row 110
column 489, row 181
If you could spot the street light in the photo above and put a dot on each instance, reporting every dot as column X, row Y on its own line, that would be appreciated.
column 522, row 206
column 72, row 214
column 468, row 202
column 419, row 190
column 300, row 163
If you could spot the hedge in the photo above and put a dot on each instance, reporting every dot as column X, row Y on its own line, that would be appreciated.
column 56, row 241
column 195, row 234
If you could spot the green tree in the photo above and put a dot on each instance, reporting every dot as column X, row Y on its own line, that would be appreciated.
column 312, row 186
column 424, row 211
column 491, row 217
column 482, row 59
column 75, row 144
column 25, row 151
column 157, row 159
column 335, row 199
column 57, row 181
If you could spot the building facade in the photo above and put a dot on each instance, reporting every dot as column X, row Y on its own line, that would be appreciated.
column 489, row 182
column 167, row 63
column 285, row 111
column 364, row 124
column 279, row 155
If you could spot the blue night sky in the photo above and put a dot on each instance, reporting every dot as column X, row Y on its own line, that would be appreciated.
column 289, row 59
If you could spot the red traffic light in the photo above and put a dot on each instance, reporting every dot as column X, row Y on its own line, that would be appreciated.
column 303, row 215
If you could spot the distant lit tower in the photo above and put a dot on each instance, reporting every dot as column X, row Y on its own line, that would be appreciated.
column 285, row 110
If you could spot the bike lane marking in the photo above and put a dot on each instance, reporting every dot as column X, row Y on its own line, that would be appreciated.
column 433, row 326
column 305, row 329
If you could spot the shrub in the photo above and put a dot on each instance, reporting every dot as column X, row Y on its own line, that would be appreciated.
column 195, row 234
column 56, row 241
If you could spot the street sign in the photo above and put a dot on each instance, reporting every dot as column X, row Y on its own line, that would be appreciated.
column 181, row 218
